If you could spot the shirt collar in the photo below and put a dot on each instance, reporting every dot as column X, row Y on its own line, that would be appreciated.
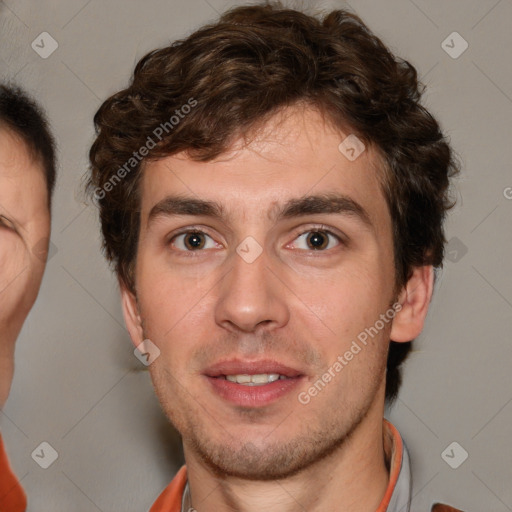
column 185, row 501
column 398, row 494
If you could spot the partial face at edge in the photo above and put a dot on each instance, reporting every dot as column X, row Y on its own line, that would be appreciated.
column 215, row 306
column 24, row 234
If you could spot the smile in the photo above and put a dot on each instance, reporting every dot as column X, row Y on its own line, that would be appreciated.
column 254, row 380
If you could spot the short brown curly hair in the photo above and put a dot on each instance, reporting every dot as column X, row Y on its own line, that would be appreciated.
column 232, row 76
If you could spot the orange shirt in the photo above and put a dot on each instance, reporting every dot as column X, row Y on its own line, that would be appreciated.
column 170, row 499
column 12, row 497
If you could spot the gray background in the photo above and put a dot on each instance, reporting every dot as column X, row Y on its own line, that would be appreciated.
column 78, row 385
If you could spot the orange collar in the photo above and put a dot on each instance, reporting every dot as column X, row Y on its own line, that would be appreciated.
column 398, row 492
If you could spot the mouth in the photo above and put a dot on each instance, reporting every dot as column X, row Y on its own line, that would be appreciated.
column 253, row 380
column 252, row 383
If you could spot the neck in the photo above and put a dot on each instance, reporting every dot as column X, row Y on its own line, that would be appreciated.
column 354, row 477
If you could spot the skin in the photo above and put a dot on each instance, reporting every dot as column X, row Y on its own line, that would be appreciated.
column 293, row 304
column 24, row 235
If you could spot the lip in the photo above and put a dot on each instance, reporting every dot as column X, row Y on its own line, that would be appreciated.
column 238, row 367
column 252, row 396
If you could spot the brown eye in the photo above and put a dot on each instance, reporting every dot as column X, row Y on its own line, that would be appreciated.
column 317, row 240
column 194, row 241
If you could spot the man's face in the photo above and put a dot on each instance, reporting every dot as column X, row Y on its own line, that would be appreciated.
column 24, row 232
column 215, row 306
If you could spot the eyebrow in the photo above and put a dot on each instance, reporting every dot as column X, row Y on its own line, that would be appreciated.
column 173, row 205
column 298, row 207
column 324, row 204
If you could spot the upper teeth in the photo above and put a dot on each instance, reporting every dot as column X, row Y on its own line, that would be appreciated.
column 255, row 380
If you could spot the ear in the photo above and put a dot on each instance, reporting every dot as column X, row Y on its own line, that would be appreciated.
column 414, row 300
column 131, row 314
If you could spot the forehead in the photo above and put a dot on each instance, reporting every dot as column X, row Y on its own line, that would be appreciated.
column 23, row 191
column 296, row 153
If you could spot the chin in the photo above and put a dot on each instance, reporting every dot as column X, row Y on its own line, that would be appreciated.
column 276, row 460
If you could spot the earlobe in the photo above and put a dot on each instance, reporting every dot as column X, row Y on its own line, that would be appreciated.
column 414, row 300
column 131, row 314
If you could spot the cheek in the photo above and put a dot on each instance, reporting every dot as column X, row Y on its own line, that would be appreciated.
column 177, row 316
column 343, row 301
column 172, row 297
column 170, row 305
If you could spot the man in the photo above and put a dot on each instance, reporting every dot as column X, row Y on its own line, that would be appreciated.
column 27, row 176
column 272, row 197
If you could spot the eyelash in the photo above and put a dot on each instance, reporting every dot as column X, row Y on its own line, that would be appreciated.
column 321, row 229
column 6, row 223
column 188, row 231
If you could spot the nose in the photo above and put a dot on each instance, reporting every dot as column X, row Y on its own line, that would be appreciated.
column 251, row 297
